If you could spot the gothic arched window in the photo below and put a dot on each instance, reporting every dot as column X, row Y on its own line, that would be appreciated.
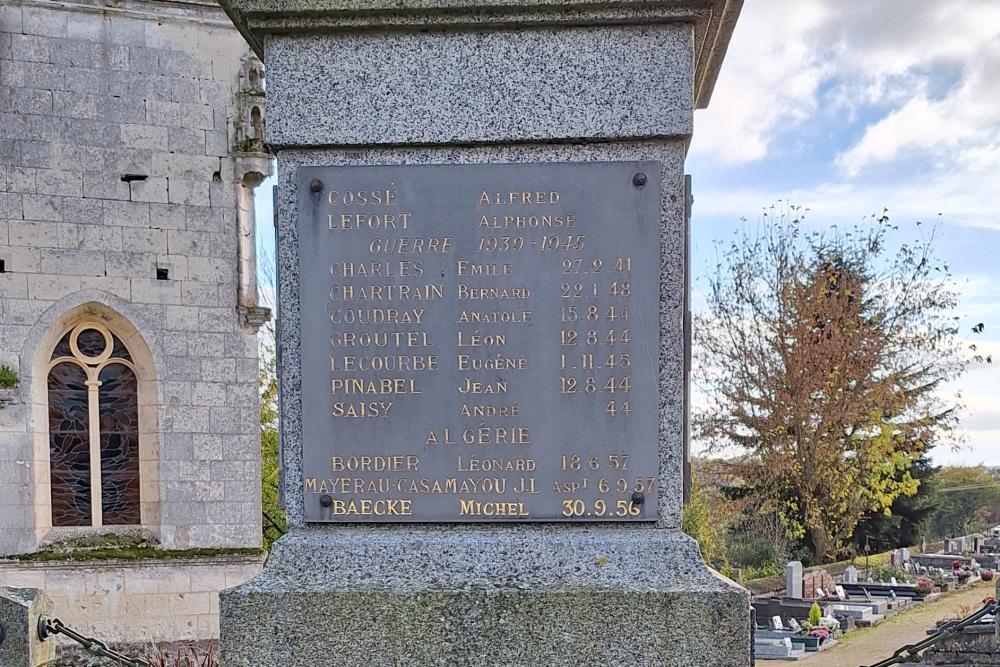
column 93, row 430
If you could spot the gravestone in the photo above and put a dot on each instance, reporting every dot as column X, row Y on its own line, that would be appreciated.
column 481, row 254
column 777, row 649
column 851, row 575
column 793, row 579
column 20, row 646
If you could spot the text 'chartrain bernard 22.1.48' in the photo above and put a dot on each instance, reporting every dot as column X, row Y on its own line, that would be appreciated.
column 480, row 342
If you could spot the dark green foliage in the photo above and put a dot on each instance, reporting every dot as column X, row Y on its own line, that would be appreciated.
column 8, row 377
column 966, row 500
column 273, row 516
column 910, row 515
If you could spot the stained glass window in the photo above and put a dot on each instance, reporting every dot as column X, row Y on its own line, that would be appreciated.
column 69, row 445
column 93, row 421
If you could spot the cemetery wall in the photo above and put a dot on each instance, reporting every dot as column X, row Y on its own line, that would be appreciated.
column 136, row 601
column 123, row 203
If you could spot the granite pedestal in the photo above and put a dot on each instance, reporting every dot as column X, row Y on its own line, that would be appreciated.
column 417, row 82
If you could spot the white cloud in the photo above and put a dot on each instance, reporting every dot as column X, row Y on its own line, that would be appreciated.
column 790, row 58
column 769, row 80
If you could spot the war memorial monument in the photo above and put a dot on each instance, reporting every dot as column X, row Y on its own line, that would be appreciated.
column 482, row 218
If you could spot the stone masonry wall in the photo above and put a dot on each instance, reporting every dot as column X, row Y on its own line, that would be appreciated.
column 114, row 142
column 137, row 601
column 976, row 645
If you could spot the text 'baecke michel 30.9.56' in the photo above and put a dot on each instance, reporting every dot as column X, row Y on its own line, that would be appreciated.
column 483, row 342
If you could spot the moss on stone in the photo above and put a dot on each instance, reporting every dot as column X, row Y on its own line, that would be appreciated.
column 121, row 547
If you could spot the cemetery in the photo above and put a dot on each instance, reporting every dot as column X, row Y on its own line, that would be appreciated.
column 815, row 608
column 375, row 333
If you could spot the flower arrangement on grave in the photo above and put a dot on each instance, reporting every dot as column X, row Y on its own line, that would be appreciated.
column 822, row 633
column 924, row 585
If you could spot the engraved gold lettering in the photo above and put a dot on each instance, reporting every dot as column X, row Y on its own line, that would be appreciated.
column 380, row 339
column 401, row 269
column 369, row 507
column 470, row 269
column 386, row 197
column 388, row 292
column 374, row 463
column 377, row 386
column 478, row 340
column 473, row 293
column 353, row 364
column 352, row 410
column 489, row 508
column 372, row 221
column 501, row 198
column 489, row 410
column 406, row 245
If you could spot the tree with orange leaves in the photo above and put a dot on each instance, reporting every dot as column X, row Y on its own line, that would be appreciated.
column 821, row 357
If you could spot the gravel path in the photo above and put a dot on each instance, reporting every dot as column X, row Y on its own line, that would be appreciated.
column 869, row 645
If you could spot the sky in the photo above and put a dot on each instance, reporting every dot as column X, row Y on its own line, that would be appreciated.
column 848, row 107
column 851, row 106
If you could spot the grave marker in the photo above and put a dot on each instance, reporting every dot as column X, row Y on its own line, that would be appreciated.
column 793, row 579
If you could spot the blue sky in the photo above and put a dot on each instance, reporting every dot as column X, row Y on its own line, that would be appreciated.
column 853, row 106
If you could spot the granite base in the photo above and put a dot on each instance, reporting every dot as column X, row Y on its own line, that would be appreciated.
column 490, row 598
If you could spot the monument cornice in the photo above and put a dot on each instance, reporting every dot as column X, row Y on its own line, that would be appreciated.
column 713, row 20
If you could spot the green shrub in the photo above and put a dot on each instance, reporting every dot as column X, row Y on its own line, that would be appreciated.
column 815, row 614
column 8, row 377
column 887, row 572
column 754, row 553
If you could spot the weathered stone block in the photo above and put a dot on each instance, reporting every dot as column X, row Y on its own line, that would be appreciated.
column 144, row 136
column 42, row 21
column 189, row 191
column 44, row 234
column 149, row 190
column 541, row 597
column 59, row 182
column 127, row 213
column 20, row 645
column 31, row 101
column 72, row 262
column 30, row 48
column 144, row 240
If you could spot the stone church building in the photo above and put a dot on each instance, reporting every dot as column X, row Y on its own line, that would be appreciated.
column 131, row 140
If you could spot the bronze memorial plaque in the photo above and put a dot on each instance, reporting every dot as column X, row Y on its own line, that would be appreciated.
column 480, row 342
